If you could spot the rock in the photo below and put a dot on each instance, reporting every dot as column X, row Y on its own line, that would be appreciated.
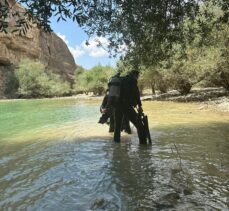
column 176, row 170
column 47, row 48
column 98, row 203
column 38, row 45
column 187, row 191
column 146, row 98
column 168, row 201
column 171, row 197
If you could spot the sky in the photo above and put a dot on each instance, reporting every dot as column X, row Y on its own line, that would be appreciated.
column 75, row 38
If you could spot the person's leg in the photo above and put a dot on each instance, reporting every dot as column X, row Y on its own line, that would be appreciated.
column 126, row 124
column 133, row 117
column 111, row 127
column 118, row 114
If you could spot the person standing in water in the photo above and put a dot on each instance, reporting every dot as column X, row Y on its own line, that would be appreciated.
column 107, row 108
column 129, row 99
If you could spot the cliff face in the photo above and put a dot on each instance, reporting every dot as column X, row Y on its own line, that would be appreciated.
column 47, row 48
column 37, row 45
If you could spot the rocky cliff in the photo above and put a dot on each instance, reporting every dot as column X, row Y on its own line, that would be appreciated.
column 47, row 48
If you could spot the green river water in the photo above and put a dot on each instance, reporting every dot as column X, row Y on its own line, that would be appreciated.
column 55, row 156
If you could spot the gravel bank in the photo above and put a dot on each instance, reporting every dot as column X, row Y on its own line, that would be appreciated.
column 218, row 98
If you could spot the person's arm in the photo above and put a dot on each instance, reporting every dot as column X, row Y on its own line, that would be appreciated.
column 103, row 107
column 136, row 92
column 137, row 97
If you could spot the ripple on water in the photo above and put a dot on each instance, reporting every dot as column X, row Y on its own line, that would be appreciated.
column 75, row 175
column 80, row 168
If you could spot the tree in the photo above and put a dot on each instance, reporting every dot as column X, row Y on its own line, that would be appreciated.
column 149, row 78
column 201, row 55
column 171, row 35
column 35, row 82
column 94, row 80
column 79, row 71
column 148, row 28
column 31, row 76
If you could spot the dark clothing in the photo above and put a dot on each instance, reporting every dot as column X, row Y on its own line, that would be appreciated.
column 124, row 127
column 130, row 94
column 131, row 114
column 125, row 124
column 104, row 103
column 105, row 116
column 124, row 109
column 130, row 98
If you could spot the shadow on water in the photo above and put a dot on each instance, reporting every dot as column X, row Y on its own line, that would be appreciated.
column 76, row 166
column 133, row 174
column 95, row 173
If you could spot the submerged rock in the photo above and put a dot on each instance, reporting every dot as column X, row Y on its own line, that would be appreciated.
column 98, row 203
column 168, row 201
column 171, row 197
column 187, row 191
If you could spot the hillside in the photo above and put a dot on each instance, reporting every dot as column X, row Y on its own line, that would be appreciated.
column 36, row 45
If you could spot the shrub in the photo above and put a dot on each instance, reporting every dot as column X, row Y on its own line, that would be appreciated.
column 162, row 81
column 35, row 82
column 94, row 80
column 11, row 84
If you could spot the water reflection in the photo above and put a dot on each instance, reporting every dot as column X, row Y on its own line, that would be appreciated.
column 155, row 179
column 133, row 173
column 73, row 175
column 71, row 163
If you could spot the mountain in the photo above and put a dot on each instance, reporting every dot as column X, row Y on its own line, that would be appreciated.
column 36, row 45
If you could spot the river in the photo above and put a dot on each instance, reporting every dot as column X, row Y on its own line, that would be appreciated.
column 55, row 156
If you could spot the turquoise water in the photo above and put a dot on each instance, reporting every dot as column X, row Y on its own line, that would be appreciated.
column 22, row 117
column 55, row 156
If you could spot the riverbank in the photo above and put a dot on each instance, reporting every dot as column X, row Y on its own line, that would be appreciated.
column 216, row 98
column 79, row 96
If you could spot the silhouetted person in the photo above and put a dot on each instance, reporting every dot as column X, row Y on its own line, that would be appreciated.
column 125, row 125
column 129, row 98
column 108, row 116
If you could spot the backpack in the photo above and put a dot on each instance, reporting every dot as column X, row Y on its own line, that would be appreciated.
column 126, row 90
column 120, row 89
column 114, row 90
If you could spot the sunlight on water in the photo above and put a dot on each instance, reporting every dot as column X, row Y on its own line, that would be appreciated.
column 49, row 120
column 55, row 156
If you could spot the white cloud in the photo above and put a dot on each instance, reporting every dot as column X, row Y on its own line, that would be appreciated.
column 63, row 37
column 76, row 52
column 92, row 49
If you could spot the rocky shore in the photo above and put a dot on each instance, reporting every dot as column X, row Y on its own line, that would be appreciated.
column 218, row 98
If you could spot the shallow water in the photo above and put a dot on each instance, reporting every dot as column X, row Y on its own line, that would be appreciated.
column 54, row 156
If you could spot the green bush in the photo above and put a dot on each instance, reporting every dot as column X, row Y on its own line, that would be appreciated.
column 200, row 57
column 11, row 84
column 57, row 87
column 162, row 81
column 220, row 75
column 94, row 80
column 35, row 82
column 182, row 84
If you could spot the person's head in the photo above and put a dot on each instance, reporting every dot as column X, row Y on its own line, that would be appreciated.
column 134, row 73
column 118, row 74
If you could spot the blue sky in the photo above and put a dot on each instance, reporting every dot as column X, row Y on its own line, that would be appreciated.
column 75, row 37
